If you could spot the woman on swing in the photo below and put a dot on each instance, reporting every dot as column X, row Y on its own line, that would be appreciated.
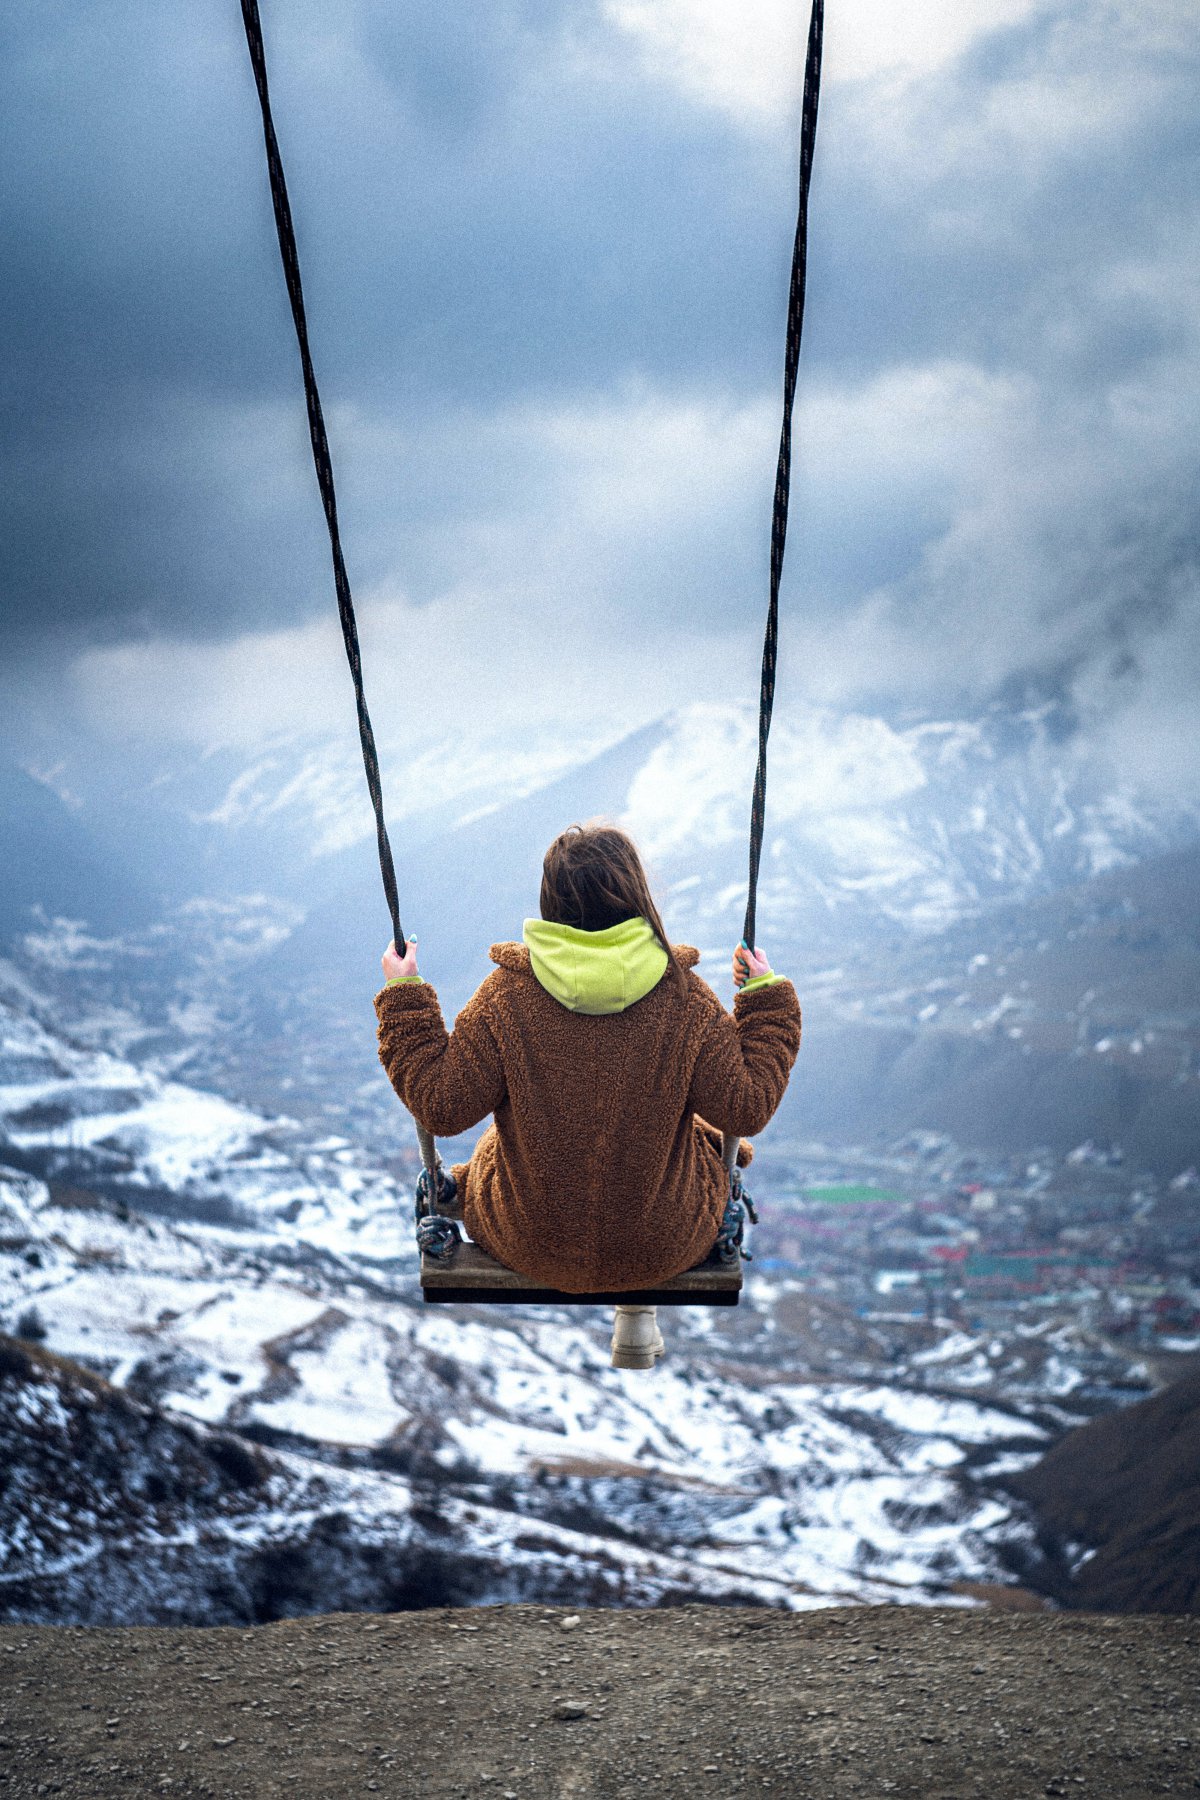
column 611, row 1070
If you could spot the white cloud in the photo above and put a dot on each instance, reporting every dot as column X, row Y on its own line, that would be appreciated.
column 563, row 497
column 242, row 691
column 967, row 148
column 555, row 604
column 476, row 655
column 748, row 59
column 913, row 440
column 1068, row 551
column 528, row 625
column 1047, row 520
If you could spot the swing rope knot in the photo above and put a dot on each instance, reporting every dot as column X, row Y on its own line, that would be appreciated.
column 438, row 1237
column 446, row 1201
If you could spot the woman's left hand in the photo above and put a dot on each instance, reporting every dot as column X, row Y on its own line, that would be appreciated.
column 397, row 967
column 748, row 964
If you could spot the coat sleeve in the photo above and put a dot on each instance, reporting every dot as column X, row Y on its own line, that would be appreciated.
column 449, row 1081
column 742, row 1071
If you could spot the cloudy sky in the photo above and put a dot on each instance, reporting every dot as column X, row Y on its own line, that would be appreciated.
column 545, row 245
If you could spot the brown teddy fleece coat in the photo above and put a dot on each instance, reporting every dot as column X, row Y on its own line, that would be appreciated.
column 596, row 1173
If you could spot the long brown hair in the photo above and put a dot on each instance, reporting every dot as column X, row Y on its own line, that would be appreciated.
column 592, row 877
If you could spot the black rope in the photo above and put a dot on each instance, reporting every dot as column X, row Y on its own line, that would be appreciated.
column 321, row 459
column 783, row 472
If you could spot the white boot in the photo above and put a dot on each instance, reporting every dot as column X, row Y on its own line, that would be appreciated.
column 637, row 1342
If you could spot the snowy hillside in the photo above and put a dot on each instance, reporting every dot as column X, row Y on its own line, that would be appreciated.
column 223, row 1265
column 696, row 1483
column 84, row 1115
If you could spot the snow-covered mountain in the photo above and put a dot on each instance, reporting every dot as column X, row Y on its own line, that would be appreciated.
column 908, row 865
column 874, row 830
column 918, row 824
column 873, row 822
column 255, row 1280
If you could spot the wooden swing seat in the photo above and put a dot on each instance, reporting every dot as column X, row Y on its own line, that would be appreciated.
column 471, row 1275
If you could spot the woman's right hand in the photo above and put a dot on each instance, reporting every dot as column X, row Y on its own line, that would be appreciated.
column 748, row 965
column 397, row 967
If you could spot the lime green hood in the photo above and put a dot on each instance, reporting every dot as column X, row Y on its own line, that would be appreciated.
column 596, row 971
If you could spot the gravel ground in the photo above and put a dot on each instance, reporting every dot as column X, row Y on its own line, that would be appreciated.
column 520, row 1701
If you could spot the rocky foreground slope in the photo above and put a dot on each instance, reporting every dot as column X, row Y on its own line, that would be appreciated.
column 528, row 1703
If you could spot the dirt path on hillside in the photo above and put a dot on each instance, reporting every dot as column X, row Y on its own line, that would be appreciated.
column 521, row 1701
